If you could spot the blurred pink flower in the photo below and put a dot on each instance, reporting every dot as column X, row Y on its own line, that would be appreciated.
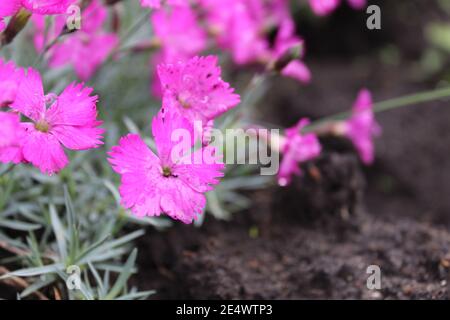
column 47, row 6
column 286, row 40
column 357, row 4
column 8, row 8
column 165, row 183
column 239, row 27
column 156, row 4
column 178, row 32
column 362, row 126
column 70, row 120
column 11, row 136
column 9, row 79
column 325, row 7
column 296, row 148
column 195, row 89
column 44, row 7
column 42, row 35
column 89, row 47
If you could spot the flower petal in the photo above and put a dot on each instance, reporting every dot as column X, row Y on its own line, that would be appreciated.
column 78, row 138
column 30, row 99
column 44, row 151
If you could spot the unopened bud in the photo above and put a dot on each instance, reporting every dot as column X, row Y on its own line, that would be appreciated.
column 293, row 53
column 15, row 25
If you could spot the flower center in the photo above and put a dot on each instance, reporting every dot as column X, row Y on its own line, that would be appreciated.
column 183, row 99
column 42, row 126
column 167, row 172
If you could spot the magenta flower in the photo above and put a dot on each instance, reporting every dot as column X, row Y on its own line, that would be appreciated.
column 89, row 47
column 239, row 27
column 195, row 89
column 286, row 40
column 297, row 148
column 9, row 78
column 45, row 7
column 8, row 8
column 167, row 182
column 325, row 7
column 70, row 121
column 178, row 32
column 156, row 4
column 11, row 138
column 43, row 35
column 362, row 127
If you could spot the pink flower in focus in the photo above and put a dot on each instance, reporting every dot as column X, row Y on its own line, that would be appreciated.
column 297, row 148
column 178, row 32
column 44, row 7
column 9, row 79
column 195, row 89
column 362, row 127
column 11, row 135
column 89, row 47
column 325, row 7
column 165, row 183
column 70, row 120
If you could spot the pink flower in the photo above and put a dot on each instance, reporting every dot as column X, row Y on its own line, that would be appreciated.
column 69, row 121
column 239, row 26
column 178, row 32
column 165, row 183
column 89, row 47
column 297, row 148
column 357, row 4
column 195, row 89
column 43, row 35
column 45, row 7
column 9, row 78
column 297, row 70
column 325, row 7
column 11, row 135
column 156, row 4
column 362, row 127
column 8, row 8
column 286, row 40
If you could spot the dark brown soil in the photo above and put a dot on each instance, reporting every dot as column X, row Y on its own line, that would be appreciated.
column 301, row 256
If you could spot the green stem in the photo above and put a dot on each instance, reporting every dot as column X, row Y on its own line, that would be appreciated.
column 390, row 104
column 132, row 29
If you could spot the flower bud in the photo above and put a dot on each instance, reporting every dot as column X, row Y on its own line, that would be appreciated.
column 15, row 25
column 291, row 54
